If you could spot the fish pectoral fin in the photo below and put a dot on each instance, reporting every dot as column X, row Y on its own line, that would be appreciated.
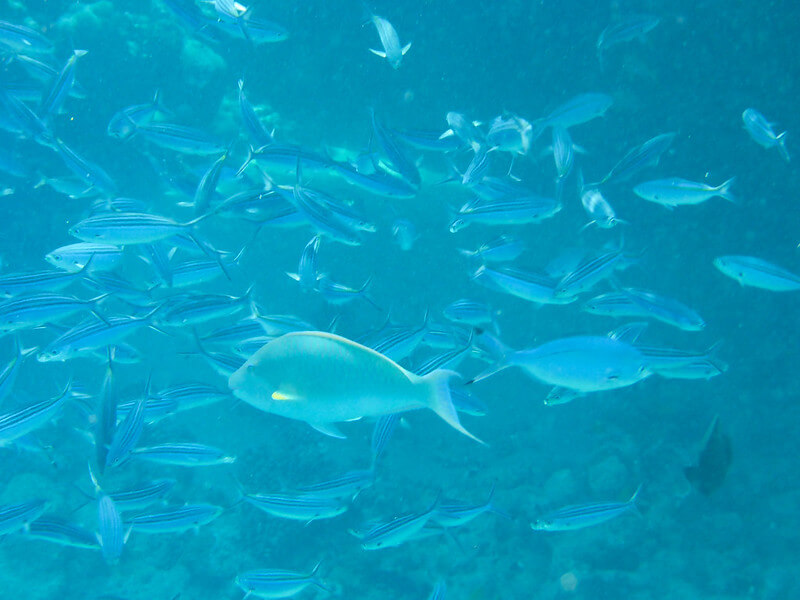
column 406, row 48
column 329, row 429
column 380, row 53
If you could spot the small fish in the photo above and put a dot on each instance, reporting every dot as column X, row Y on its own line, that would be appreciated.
column 259, row 136
column 574, row 517
column 35, row 310
column 273, row 583
column 184, row 455
column 756, row 272
column 127, row 434
column 190, row 516
column 308, row 268
column 305, row 507
column 75, row 257
column 392, row 51
column 529, row 286
column 465, row 130
column 632, row 302
column 124, row 123
column 90, row 173
column 347, row 486
column 513, row 211
column 682, row 192
column 14, row 517
column 579, row 109
column 588, row 273
column 62, row 532
column 469, row 312
column 762, row 132
column 111, row 534
column 142, row 495
column 15, row 284
column 455, row 514
column 581, row 363
column 21, row 422
column 708, row 475
column 393, row 151
column 180, row 138
column 625, row 30
column 637, row 159
column 60, row 87
column 510, row 134
column 338, row 293
column 397, row 531
column 597, row 208
column 92, row 335
column 23, row 39
column 501, row 249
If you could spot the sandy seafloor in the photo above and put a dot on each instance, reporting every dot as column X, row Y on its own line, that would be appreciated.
column 694, row 74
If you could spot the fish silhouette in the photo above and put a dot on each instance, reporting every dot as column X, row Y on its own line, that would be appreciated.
column 713, row 462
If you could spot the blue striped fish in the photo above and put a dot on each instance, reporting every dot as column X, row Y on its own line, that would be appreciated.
column 175, row 520
column 299, row 507
column 184, row 455
column 14, row 517
column 584, row 515
column 20, row 422
column 273, row 583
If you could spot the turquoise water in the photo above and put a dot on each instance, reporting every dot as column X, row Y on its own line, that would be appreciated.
column 693, row 74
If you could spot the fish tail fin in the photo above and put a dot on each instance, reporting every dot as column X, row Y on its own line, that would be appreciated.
column 632, row 501
column 781, row 139
column 441, row 403
column 724, row 190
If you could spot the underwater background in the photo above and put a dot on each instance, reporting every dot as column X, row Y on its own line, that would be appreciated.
column 693, row 74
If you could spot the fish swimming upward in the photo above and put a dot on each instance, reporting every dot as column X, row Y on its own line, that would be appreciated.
column 324, row 379
column 713, row 463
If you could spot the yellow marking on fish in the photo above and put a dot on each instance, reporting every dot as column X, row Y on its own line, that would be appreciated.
column 276, row 395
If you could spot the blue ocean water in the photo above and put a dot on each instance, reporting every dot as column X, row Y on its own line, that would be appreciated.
column 693, row 74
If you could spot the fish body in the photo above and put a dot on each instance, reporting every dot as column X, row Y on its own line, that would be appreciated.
column 395, row 532
column 581, row 363
column 305, row 507
column 14, row 517
column 322, row 378
column 579, row 109
column 111, row 533
column 183, row 455
column 61, row 532
column 574, row 517
column 273, row 583
column 532, row 287
column 392, row 51
column 512, row 211
column 628, row 29
column 756, row 272
column 675, row 191
column 762, row 132
column 597, row 208
column 75, row 257
column 190, row 516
